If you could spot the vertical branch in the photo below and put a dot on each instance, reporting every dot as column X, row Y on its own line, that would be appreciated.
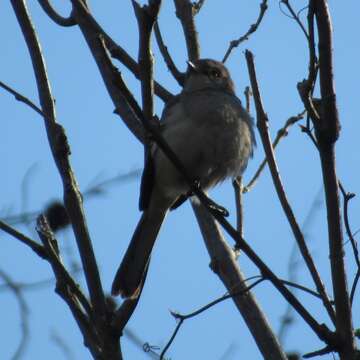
column 185, row 12
column 327, row 132
column 262, row 124
column 238, row 190
column 146, row 17
column 60, row 151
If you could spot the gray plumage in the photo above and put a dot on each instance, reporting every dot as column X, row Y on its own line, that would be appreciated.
column 212, row 135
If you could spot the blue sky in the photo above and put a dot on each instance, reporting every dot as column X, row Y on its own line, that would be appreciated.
column 102, row 147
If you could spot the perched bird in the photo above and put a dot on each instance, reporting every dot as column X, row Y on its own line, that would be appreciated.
column 212, row 135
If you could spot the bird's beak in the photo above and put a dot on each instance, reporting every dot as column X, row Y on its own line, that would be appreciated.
column 192, row 66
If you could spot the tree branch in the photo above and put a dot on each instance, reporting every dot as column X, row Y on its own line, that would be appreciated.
column 281, row 133
column 262, row 124
column 60, row 151
column 252, row 29
column 21, row 98
column 185, row 13
column 181, row 318
column 327, row 132
column 117, row 52
column 37, row 248
column 224, row 264
column 178, row 75
column 54, row 16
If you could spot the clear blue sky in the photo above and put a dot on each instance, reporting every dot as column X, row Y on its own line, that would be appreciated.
column 102, row 147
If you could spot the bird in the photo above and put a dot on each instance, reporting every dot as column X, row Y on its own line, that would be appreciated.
column 212, row 135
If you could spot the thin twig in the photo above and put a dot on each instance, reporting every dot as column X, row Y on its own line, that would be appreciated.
column 21, row 98
column 219, row 300
column 294, row 16
column 321, row 352
column 303, row 288
column 347, row 197
column 178, row 75
column 172, row 338
column 37, row 248
column 251, row 30
column 181, row 318
column 281, row 133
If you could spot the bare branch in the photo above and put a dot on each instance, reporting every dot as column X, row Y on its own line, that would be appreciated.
column 181, row 318
column 238, row 190
column 283, row 132
column 327, row 132
column 223, row 263
column 60, row 150
column 67, row 288
column 294, row 16
column 146, row 17
column 37, row 248
column 252, row 29
column 94, row 30
column 21, row 98
column 294, row 263
column 303, row 288
column 347, row 197
column 262, row 123
column 178, row 75
column 185, row 13
column 54, row 16
column 321, row 352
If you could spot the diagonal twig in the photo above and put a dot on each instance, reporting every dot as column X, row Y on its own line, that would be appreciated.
column 37, row 248
column 251, row 30
column 178, row 75
column 21, row 98
column 280, row 134
column 294, row 16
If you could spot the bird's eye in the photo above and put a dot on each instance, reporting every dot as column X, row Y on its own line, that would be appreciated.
column 214, row 73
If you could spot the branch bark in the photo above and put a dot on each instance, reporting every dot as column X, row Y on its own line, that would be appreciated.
column 224, row 264
column 60, row 151
column 327, row 130
column 185, row 12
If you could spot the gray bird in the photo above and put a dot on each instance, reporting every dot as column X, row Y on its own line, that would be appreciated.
column 212, row 135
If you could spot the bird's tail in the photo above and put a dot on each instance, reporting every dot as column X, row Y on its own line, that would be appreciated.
column 132, row 268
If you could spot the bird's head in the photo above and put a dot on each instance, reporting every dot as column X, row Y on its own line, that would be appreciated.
column 207, row 74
